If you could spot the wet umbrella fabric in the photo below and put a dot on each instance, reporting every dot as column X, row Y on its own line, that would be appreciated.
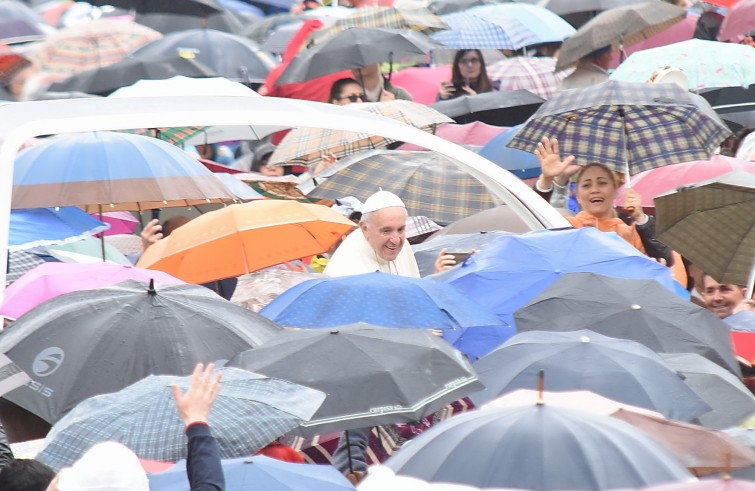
column 259, row 472
column 626, row 125
column 372, row 375
column 636, row 309
column 618, row 369
column 500, row 218
column 86, row 343
column 198, row 8
column 35, row 227
column 250, row 411
column 416, row 19
column 231, row 56
column 562, row 7
column 498, row 108
column 538, row 448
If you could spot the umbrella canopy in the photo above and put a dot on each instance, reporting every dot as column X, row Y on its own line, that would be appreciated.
column 427, row 252
column 503, row 26
column 416, row 19
column 166, row 23
column 442, row 7
column 629, row 372
column 380, row 299
column 705, row 63
column 523, row 165
column 731, row 400
column 618, row 27
column 739, row 20
column 356, row 47
column 512, row 270
column 421, row 82
column 470, row 135
column 498, row 108
column 255, row 290
column 131, row 330
column 198, row 8
column 624, row 125
column 372, row 376
column 105, row 80
column 538, row 75
column 499, row 218
column 114, row 171
column 260, row 472
column 563, row 7
column 662, row 180
column 577, row 400
column 11, row 376
column 233, row 57
column 428, row 184
column 121, row 222
column 47, row 226
column 88, row 46
column 250, row 411
column 50, row 280
column 246, row 237
column 14, row 31
column 538, row 447
column 306, row 146
column 636, row 309
column 712, row 224
column 721, row 484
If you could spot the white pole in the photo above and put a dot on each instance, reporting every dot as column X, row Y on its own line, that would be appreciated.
column 751, row 281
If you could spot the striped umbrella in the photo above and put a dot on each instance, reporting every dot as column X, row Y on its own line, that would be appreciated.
column 538, row 75
column 91, row 45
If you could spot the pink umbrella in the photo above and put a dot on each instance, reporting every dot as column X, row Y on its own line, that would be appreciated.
column 422, row 82
column 538, row 75
column 739, row 21
column 476, row 133
column 51, row 279
column 660, row 180
column 121, row 222
column 681, row 31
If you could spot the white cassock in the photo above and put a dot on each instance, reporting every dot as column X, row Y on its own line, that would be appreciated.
column 356, row 256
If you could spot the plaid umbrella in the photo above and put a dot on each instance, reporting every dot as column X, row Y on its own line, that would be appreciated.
column 429, row 184
column 502, row 26
column 250, row 411
column 626, row 125
column 305, row 146
column 713, row 225
column 620, row 26
column 538, row 75
column 419, row 19
column 91, row 45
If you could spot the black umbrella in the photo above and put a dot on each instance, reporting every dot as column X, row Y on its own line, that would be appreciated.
column 372, row 375
column 618, row 369
column 498, row 108
column 198, row 8
column 87, row 343
column 231, row 56
column 104, row 80
column 166, row 23
column 535, row 447
column 640, row 310
column 356, row 47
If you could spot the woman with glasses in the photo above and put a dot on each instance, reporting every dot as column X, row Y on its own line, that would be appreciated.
column 345, row 91
column 468, row 76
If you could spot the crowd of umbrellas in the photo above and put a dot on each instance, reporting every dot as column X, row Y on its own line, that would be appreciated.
column 546, row 360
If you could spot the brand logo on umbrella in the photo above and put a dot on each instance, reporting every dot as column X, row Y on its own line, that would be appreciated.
column 47, row 361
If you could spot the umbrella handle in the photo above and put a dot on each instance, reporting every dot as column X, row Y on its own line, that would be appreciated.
column 751, row 282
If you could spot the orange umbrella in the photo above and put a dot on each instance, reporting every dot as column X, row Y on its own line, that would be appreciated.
column 243, row 238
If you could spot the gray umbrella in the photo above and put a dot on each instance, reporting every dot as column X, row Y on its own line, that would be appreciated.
column 372, row 375
column 501, row 217
column 427, row 252
column 619, row 369
column 731, row 401
column 640, row 310
column 497, row 108
column 562, row 7
column 81, row 344
column 537, row 447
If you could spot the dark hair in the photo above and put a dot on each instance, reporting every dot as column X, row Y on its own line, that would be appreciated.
column 25, row 475
column 483, row 83
column 337, row 88
column 605, row 168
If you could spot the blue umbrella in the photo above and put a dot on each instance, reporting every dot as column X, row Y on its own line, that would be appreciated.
column 523, row 165
column 259, row 472
column 47, row 226
column 511, row 270
column 114, row 171
column 379, row 299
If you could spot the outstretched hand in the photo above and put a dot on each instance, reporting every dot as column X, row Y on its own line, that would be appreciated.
column 194, row 406
column 551, row 165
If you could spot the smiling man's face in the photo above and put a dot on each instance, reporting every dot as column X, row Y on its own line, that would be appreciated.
column 721, row 298
column 385, row 230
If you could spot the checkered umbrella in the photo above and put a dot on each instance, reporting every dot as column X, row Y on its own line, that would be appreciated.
column 91, row 45
column 502, row 26
column 429, row 184
column 538, row 75
column 713, row 225
column 419, row 19
column 250, row 411
column 306, row 146
column 626, row 126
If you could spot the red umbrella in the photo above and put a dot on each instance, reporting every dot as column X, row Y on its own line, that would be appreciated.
column 655, row 182
column 422, row 82
column 476, row 133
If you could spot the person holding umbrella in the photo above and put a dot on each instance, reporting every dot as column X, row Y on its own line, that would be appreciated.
column 378, row 88
column 468, row 76
column 592, row 69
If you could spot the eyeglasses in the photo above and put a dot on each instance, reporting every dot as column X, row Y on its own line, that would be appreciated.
column 469, row 61
column 353, row 97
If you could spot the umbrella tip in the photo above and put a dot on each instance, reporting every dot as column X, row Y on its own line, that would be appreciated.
column 151, row 289
column 334, row 331
column 540, row 386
